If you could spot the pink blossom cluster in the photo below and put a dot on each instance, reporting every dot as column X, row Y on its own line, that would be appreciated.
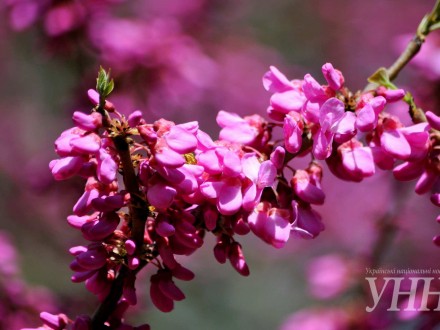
column 181, row 184
column 351, row 132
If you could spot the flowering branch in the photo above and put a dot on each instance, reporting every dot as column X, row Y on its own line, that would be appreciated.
column 179, row 183
column 138, row 207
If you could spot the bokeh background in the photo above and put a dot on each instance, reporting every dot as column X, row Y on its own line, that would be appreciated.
column 184, row 61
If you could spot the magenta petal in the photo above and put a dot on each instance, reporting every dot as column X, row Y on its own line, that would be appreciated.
column 277, row 157
column 382, row 159
column 130, row 247
column 167, row 255
column 78, row 277
column 292, row 131
column 322, row 145
column 275, row 81
column 266, row 174
column 161, row 195
column 76, row 250
column 53, row 321
column 66, row 167
column 165, row 229
column 159, row 299
column 84, row 203
column 251, row 196
column 426, row 182
column 359, row 162
column 237, row 259
column 231, row 164
column 168, row 157
column 87, row 122
column 308, row 223
column 181, row 140
column 366, row 118
column 211, row 189
column 435, row 199
column 210, row 161
column 107, row 167
column 345, row 129
column 134, row 118
column 313, row 90
column 408, row 171
column 287, row 101
column 92, row 259
column 97, row 283
column 87, row 144
column 221, row 250
column 240, row 133
column 230, row 199
column 108, row 203
column 378, row 104
column 334, row 78
column 395, row 143
column 433, row 120
column 305, row 190
column 390, row 95
column 182, row 273
column 99, row 229
column 331, row 112
column 170, row 290
column 225, row 119
column 272, row 226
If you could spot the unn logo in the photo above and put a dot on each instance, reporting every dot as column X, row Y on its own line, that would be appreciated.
column 416, row 296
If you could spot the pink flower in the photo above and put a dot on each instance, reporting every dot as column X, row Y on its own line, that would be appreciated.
column 87, row 122
column 353, row 161
column 237, row 259
column 287, row 95
column 293, row 129
column 331, row 113
column 406, row 143
column 368, row 115
column 240, row 130
column 270, row 224
column 306, row 188
column 307, row 222
column 334, row 77
column 163, row 291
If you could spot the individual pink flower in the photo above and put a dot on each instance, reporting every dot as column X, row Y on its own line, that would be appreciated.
column 287, row 95
column 331, row 114
column 292, row 131
column 245, row 130
column 272, row 225
column 307, row 222
column 352, row 161
column 163, row 291
column 237, row 259
column 306, row 188
column 406, row 143
column 367, row 116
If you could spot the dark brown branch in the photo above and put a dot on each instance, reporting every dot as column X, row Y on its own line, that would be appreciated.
column 138, row 213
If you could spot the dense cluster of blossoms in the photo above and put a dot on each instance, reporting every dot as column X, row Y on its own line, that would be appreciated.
column 153, row 190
